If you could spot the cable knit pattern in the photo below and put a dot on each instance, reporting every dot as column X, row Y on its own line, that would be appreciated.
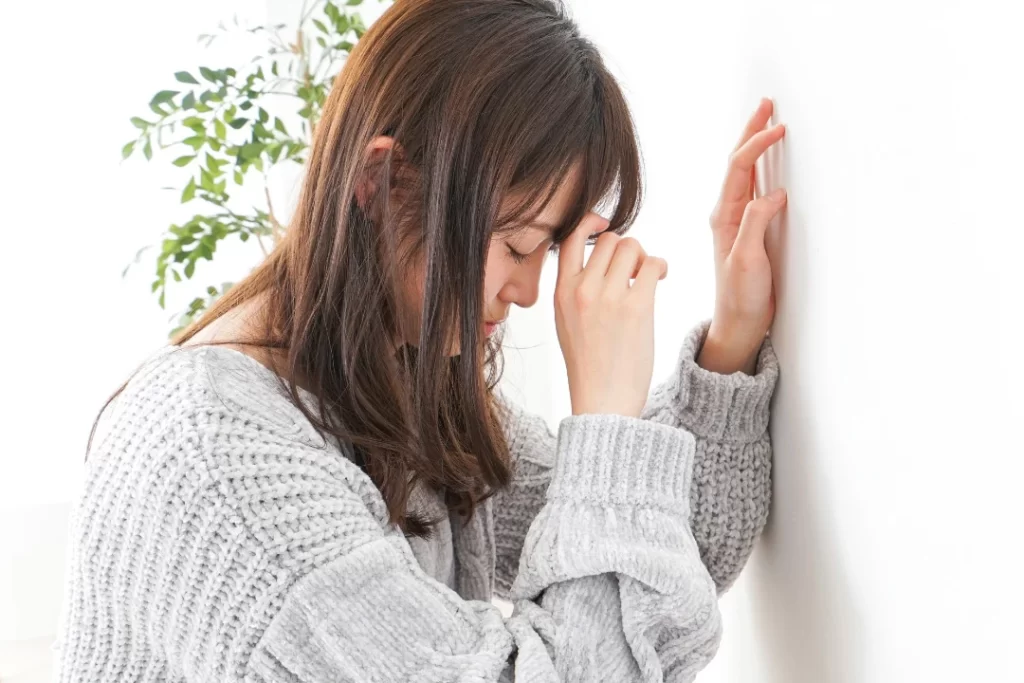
column 728, row 415
column 220, row 538
column 730, row 488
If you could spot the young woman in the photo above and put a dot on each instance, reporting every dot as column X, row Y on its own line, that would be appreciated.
column 319, row 481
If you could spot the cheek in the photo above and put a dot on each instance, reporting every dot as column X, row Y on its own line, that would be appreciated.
column 497, row 270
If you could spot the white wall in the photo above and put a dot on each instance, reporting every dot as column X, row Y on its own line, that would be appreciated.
column 894, row 548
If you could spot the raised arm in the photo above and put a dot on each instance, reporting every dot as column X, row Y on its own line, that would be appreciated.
column 728, row 415
column 731, row 484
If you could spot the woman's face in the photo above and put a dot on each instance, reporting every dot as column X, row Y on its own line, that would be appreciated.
column 512, row 271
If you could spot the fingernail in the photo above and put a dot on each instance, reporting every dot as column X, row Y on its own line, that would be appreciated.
column 778, row 194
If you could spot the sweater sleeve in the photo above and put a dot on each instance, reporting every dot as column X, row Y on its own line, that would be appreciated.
column 728, row 415
column 731, row 484
column 610, row 584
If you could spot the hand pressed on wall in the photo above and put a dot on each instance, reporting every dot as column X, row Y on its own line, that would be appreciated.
column 744, row 295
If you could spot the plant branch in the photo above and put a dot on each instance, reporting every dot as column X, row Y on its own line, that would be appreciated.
column 274, row 225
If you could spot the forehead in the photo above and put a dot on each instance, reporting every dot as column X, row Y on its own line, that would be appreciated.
column 552, row 214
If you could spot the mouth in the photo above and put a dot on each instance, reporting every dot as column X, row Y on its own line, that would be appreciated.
column 492, row 325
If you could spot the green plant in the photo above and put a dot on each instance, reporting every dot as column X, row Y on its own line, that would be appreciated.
column 220, row 124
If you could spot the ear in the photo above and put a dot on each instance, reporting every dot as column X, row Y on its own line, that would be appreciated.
column 375, row 154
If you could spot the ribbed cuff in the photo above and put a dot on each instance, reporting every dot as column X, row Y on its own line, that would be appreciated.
column 724, row 407
column 623, row 461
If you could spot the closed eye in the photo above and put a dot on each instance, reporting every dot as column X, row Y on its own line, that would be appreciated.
column 516, row 256
column 519, row 257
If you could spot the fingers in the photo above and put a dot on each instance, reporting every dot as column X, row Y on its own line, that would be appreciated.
column 570, row 252
column 651, row 270
column 614, row 261
column 629, row 261
column 738, row 177
column 756, row 218
column 626, row 263
column 757, row 122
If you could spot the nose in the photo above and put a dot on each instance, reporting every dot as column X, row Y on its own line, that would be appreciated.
column 523, row 287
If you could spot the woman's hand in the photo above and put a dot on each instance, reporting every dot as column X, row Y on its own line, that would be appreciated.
column 744, row 296
column 606, row 326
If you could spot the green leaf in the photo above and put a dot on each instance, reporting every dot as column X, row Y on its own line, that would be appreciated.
column 127, row 150
column 190, row 268
column 141, row 124
column 238, row 123
column 252, row 150
column 184, row 160
column 275, row 152
column 245, row 106
column 219, row 129
column 320, row 25
column 238, row 177
column 161, row 301
column 244, row 236
column 351, row 3
column 195, row 142
column 279, row 125
column 321, row 42
column 189, row 192
column 208, row 74
column 189, row 100
column 273, row 69
column 147, row 150
column 185, row 77
column 163, row 96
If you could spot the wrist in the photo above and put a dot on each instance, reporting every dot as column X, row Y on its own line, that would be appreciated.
column 726, row 352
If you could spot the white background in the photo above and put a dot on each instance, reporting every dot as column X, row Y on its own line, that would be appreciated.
column 893, row 552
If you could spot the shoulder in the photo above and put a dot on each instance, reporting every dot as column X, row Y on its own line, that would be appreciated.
column 225, row 422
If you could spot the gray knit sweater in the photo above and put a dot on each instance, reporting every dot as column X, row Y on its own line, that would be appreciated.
column 218, row 538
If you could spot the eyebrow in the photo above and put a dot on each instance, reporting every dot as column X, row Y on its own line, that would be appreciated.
column 546, row 226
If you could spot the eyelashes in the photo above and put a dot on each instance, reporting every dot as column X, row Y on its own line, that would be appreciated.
column 520, row 258
column 516, row 256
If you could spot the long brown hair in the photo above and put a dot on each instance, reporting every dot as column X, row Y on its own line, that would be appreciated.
column 486, row 100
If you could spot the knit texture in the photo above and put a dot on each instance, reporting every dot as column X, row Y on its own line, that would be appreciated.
column 219, row 537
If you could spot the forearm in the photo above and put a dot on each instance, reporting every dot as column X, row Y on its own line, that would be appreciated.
column 728, row 413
